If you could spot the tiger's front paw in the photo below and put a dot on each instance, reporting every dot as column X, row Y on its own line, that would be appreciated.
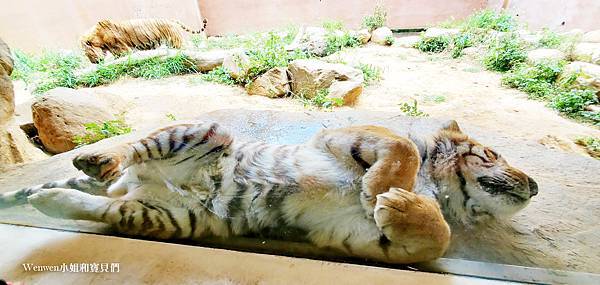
column 101, row 166
column 401, row 214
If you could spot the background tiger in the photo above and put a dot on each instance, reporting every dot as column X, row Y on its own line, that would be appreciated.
column 346, row 189
column 122, row 37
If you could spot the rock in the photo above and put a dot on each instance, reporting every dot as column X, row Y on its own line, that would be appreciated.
column 588, row 52
column 554, row 142
column 591, row 37
column 593, row 108
column 61, row 113
column 237, row 64
column 438, row 32
column 310, row 75
column 311, row 40
column 273, row 83
column 346, row 90
column 472, row 52
column 406, row 42
column 574, row 33
column 16, row 148
column 542, row 54
column 362, row 35
column 207, row 60
column 588, row 75
column 7, row 99
column 380, row 35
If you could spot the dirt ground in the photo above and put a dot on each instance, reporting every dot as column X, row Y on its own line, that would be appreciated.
column 459, row 89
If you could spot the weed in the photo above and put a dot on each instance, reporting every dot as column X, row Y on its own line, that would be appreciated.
column 490, row 20
column 48, row 70
column 412, row 110
column 370, row 72
column 322, row 100
column 536, row 80
column 591, row 144
column 460, row 42
column 219, row 75
column 573, row 102
column 550, row 39
column 505, row 52
column 96, row 132
column 433, row 44
column 335, row 42
column 389, row 40
column 171, row 117
column 332, row 26
column 377, row 19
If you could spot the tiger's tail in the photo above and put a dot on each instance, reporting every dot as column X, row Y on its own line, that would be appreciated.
column 185, row 28
column 84, row 183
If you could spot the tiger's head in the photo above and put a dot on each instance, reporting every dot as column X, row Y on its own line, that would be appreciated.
column 91, row 49
column 93, row 40
column 474, row 182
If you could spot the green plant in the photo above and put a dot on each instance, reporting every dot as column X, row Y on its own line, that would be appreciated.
column 171, row 117
column 591, row 144
column 490, row 20
column 48, row 70
column 322, row 100
column 573, row 102
column 377, row 19
column 412, row 110
column 219, row 75
column 550, row 39
column 370, row 72
column 389, row 40
column 335, row 42
column 433, row 44
column 460, row 42
column 331, row 26
column 149, row 68
column 536, row 80
column 505, row 52
column 96, row 132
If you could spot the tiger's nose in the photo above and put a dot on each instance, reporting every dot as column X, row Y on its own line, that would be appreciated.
column 533, row 187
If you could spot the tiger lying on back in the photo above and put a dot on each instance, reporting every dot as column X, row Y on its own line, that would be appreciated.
column 120, row 38
column 347, row 189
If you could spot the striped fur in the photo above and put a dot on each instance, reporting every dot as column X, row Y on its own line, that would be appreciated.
column 120, row 38
column 346, row 189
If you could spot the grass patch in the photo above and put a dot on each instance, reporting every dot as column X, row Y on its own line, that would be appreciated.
column 321, row 100
column 96, row 132
column 219, row 75
column 48, row 70
column 537, row 80
column 412, row 109
column 504, row 53
column 335, row 42
column 375, row 20
column 489, row 20
column 370, row 72
column 150, row 68
column 433, row 44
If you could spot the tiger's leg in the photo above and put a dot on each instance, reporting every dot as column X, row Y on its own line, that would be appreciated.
column 183, row 143
column 407, row 228
column 385, row 159
column 83, row 183
column 153, row 219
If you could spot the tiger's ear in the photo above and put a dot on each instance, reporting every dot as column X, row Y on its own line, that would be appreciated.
column 451, row 125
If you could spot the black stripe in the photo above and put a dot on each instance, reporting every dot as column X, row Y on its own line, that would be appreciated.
column 73, row 183
column 385, row 243
column 215, row 149
column 463, row 190
column 177, row 232
column 158, row 145
column 355, row 152
column 148, row 150
column 146, row 221
column 122, row 212
column 192, row 217
column 346, row 244
column 235, row 203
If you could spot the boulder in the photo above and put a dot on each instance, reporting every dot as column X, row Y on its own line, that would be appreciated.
column 438, row 32
column 311, row 40
column 591, row 37
column 310, row 75
column 380, row 35
column 60, row 115
column 406, row 42
column 237, row 64
column 7, row 100
column 206, row 60
column 588, row 75
column 273, row 83
column 574, row 33
column 16, row 148
column 471, row 52
column 542, row 54
column 588, row 52
column 362, row 35
column 348, row 91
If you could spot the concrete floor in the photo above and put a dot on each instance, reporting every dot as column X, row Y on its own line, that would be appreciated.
column 147, row 262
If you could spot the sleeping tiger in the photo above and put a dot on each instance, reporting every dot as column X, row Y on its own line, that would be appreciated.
column 362, row 191
column 120, row 38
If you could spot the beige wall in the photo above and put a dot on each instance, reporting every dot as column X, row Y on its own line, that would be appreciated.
column 242, row 16
column 555, row 14
column 34, row 25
